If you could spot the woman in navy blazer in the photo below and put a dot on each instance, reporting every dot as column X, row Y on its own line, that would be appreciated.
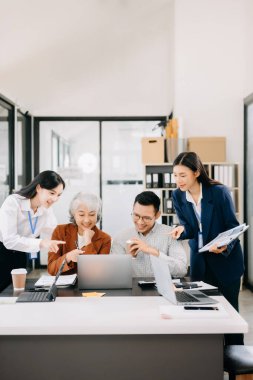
column 205, row 209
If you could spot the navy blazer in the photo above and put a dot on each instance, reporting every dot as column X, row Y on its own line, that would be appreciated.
column 217, row 215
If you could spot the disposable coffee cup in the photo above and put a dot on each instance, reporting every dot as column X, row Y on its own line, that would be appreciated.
column 18, row 278
column 128, row 245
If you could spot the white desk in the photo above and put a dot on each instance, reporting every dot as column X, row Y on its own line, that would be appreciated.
column 116, row 337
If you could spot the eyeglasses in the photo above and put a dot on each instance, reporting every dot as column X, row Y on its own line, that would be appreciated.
column 145, row 219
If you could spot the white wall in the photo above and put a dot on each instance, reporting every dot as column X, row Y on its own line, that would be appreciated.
column 87, row 57
column 248, row 51
column 209, row 67
column 132, row 57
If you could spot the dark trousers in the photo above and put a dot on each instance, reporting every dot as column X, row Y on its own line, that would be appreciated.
column 9, row 260
column 231, row 293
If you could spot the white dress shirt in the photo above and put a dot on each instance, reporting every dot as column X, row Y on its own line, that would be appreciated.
column 170, row 250
column 196, row 206
column 15, row 229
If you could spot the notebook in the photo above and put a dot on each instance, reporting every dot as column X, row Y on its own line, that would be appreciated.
column 166, row 287
column 45, row 281
column 104, row 271
column 41, row 295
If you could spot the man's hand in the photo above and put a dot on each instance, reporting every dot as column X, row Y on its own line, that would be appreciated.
column 140, row 246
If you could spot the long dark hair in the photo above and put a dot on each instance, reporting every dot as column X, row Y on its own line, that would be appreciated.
column 192, row 161
column 47, row 180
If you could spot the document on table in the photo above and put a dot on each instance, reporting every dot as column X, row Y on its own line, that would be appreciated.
column 46, row 281
column 226, row 237
column 201, row 285
column 204, row 286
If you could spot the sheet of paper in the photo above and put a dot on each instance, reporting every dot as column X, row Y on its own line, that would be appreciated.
column 46, row 281
column 201, row 285
column 204, row 286
column 176, row 280
column 7, row 300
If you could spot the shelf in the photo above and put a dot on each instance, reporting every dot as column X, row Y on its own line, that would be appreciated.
column 226, row 173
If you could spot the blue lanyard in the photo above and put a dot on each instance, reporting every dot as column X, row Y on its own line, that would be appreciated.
column 33, row 226
column 200, row 236
column 198, row 216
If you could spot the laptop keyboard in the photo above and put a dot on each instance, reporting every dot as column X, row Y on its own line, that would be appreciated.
column 185, row 297
column 33, row 297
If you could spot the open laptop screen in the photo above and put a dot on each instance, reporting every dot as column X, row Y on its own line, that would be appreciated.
column 41, row 295
column 104, row 271
column 166, row 287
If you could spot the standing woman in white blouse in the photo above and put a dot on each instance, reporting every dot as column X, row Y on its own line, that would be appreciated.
column 23, row 217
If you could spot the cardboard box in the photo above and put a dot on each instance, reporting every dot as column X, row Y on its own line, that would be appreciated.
column 152, row 150
column 209, row 149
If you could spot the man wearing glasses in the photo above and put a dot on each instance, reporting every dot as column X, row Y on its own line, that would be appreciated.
column 147, row 237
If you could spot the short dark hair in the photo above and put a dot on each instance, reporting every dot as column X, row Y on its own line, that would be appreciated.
column 47, row 180
column 147, row 198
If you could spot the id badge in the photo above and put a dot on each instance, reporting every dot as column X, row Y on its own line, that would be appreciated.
column 200, row 242
column 33, row 255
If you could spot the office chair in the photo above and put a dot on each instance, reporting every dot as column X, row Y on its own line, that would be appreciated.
column 238, row 362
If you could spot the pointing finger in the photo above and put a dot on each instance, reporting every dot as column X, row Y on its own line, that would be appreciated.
column 59, row 241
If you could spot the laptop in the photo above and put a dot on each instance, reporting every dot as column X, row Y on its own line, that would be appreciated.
column 166, row 287
column 104, row 271
column 41, row 295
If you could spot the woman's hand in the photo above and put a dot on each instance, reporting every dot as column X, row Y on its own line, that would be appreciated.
column 51, row 245
column 73, row 255
column 88, row 235
column 215, row 249
column 176, row 232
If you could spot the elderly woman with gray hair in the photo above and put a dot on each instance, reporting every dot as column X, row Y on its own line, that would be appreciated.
column 81, row 234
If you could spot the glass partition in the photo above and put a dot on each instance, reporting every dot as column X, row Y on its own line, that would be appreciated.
column 122, row 169
column 71, row 148
column 102, row 157
column 23, row 162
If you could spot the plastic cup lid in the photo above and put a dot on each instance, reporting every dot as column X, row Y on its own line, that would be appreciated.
column 19, row 271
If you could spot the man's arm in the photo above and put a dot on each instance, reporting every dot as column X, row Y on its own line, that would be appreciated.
column 175, row 255
column 118, row 246
column 176, row 258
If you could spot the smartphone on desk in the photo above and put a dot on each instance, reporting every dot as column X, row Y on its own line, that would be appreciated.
column 146, row 284
column 201, row 308
column 186, row 285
